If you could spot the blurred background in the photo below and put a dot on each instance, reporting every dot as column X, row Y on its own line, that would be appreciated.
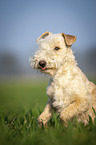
column 21, row 87
column 23, row 21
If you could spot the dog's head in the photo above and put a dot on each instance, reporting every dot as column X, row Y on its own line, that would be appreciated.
column 53, row 49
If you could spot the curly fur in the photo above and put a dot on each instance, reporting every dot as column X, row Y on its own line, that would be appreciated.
column 70, row 92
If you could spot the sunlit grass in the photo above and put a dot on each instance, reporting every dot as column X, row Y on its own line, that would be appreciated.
column 20, row 105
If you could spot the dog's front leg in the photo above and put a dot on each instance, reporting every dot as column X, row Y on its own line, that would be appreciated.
column 79, row 105
column 46, row 114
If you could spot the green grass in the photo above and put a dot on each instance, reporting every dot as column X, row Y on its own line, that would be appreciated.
column 21, row 104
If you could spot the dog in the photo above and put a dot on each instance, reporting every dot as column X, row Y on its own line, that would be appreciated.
column 70, row 93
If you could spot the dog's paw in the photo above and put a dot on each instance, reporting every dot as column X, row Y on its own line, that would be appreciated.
column 64, row 118
column 42, row 122
column 43, row 119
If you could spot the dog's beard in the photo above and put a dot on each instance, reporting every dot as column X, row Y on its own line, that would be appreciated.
column 47, row 69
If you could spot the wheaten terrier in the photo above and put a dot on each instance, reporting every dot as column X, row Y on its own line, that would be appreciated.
column 70, row 92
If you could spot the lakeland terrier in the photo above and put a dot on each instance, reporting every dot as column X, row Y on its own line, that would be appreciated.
column 70, row 92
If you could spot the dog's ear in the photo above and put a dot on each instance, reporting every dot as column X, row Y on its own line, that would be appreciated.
column 45, row 34
column 69, row 39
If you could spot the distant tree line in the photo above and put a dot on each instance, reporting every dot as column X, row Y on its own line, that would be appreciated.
column 11, row 64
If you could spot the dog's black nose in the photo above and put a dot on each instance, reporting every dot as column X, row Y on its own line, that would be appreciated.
column 42, row 63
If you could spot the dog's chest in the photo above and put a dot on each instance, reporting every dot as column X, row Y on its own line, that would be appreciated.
column 50, row 89
column 59, row 96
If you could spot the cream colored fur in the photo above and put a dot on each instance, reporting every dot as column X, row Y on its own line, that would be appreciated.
column 70, row 92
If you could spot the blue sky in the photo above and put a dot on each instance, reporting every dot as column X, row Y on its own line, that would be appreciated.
column 23, row 21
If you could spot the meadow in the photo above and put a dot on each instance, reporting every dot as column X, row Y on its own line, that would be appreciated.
column 21, row 102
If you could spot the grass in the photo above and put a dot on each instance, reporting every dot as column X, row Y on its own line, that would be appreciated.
column 20, row 105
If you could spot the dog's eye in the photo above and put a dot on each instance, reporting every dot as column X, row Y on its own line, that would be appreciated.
column 56, row 48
